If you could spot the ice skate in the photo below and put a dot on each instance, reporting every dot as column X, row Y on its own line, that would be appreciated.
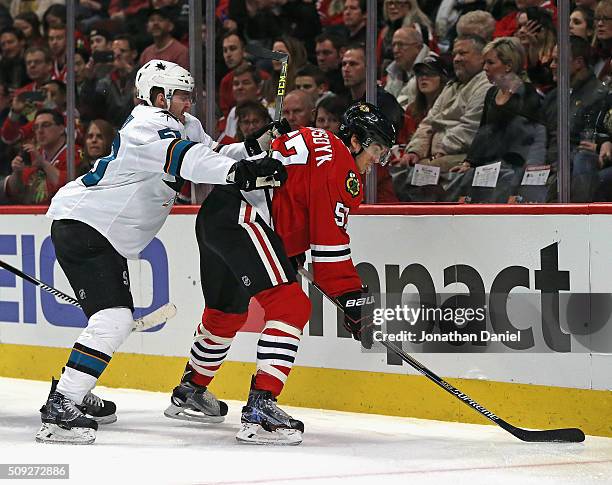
column 63, row 422
column 98, row 409
column 264, row 423
column 191, row 402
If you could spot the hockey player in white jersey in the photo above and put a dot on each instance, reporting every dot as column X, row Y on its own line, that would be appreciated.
column 113, row 212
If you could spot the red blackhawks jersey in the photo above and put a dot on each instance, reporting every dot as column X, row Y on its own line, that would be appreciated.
column 310, row 211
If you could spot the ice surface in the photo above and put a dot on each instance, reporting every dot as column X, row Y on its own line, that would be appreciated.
column 143, row 446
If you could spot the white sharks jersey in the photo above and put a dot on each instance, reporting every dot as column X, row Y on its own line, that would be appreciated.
column 127, row 195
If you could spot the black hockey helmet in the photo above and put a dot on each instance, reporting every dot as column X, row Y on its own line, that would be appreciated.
column 368, row 123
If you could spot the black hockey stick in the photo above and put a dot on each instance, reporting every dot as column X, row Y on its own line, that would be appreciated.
column 564, row 435
column 153, row 319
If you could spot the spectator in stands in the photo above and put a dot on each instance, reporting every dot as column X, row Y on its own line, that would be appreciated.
column 5, row 107
column 19, row 129
column 354, row 17
column 54, row 16
column 56, row 38
column 252, row 116
column 39, row 66
column 588, row 105
column 89, row 104
column 37, row 173
column 297, row 58
column 328, row 113
column 312, row 80
column 298, row 108
column 510, row 129
column 264, row 20
column 90, row 12
column 98, row 139
column 582, row 23
column 100, row 40
column 165, row 47
column 12, row 65
column 398, row 13
column 408, row 49
column 477, row 22
column 100, row 63
column 508, row 25
column 116, row 87
column 538, row 35
column 445, row 135
column 603, row 45
column 130, row 16
column 431, row 76
column 29, row 24
column 448, row 15
column 234, row 56
column 246, row 86
column 329, row 49
column 354, row 75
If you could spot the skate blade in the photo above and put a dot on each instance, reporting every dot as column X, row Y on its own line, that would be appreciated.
column 176, row 412
column 111, row 418
column 52, row 433
column 254, row 434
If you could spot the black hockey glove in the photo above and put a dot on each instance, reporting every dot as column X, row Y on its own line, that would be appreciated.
column 358, row 314
column 297, row 261
column 260, row 140
column 263, row 173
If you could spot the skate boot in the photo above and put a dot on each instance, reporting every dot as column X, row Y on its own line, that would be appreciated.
column 264, row 423
column 63, row 422
column 191, row 402
column 98, row 409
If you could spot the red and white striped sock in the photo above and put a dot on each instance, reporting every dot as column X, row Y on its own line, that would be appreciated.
column 276, row 351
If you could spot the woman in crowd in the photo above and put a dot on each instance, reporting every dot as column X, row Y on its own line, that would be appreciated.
column 29, row 24
column 98, row 139
column 297, row 59
column 431, row 76
column 329, row 111
column 538, row 36
column 582, row 23
column 603, row 41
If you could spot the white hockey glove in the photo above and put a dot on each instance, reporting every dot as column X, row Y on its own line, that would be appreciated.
column 263, row 173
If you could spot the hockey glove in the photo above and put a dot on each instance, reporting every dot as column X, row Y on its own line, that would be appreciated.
column 260, row 140
column 358, row 309
column 298, row 261
column 263, row 173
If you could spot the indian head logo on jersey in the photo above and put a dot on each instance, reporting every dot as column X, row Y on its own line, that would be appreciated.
column 352, row 184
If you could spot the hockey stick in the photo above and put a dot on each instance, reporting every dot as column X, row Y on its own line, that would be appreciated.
column 153, row 319
column 263, row 53
column 564, row 435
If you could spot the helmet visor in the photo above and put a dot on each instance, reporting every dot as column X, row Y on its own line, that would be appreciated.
column 378, row 152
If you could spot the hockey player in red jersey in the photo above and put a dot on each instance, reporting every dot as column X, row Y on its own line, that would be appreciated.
column 249, row 248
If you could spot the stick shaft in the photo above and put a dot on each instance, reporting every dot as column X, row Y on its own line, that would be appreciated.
column 36, row 282
column 554, row 435
column 157, row 317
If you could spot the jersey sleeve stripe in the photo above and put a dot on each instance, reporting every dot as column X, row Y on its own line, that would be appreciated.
column 329, row 254
column 324, row 247
column 175, row 154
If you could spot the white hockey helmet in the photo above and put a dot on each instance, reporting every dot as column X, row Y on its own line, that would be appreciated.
column 161, row 74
